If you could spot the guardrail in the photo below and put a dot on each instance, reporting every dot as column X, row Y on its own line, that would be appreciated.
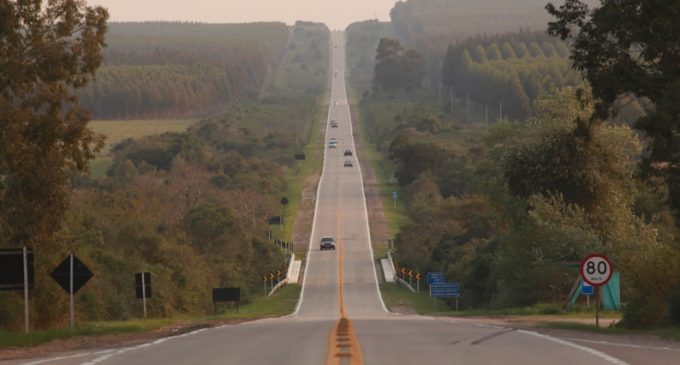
column 276, row 274
column 413, row 276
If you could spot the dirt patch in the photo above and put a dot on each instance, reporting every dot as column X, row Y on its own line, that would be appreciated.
column 302, row 228
column 402, row 309
column 376, row 216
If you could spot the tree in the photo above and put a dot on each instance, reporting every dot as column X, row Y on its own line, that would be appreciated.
column 46, row 52
column 397, row 68
column 630, row 47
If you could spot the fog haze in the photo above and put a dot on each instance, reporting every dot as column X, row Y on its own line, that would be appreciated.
column 337, row 14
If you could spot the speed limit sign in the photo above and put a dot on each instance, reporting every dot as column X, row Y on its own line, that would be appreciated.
column 596, row 269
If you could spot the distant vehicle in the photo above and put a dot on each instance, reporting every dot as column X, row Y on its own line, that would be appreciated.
column 327, row 243
column 348, row 163
column 332, row 144
column 334, row 139
column 334, row 124
column 348, row 153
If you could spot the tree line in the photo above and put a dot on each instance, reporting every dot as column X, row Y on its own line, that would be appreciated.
column 430, row 26
column 510, row 69
column 155, row 70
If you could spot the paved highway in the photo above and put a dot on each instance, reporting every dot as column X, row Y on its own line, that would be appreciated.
column 341, row 315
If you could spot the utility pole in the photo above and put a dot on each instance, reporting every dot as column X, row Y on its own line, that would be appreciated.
column 440, row 93
column 451, row 98
column 486, row 117
column 500, row 111
column 467, row 107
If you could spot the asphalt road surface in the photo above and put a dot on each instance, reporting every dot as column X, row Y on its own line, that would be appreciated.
column 341, row 283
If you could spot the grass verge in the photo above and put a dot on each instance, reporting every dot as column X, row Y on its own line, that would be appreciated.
column 670, row 333
column 395, row 215
column 281, row 304
column 398, row 297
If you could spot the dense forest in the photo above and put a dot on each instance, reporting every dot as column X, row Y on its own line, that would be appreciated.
column 154, row 70
column 509, row 208
column 430, row 26
column 188, row 207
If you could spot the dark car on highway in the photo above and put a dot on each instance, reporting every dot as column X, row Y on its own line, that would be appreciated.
column 327, row 243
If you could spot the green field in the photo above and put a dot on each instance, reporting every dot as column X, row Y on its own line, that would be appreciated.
column 116, row 131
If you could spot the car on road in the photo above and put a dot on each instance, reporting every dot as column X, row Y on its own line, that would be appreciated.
column 348, row 163
column 327, row 243
column 347, row 153
column 333, row 144
column 334, row 124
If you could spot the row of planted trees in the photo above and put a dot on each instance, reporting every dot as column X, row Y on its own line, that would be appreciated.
column 513, row 75
column 156, row 70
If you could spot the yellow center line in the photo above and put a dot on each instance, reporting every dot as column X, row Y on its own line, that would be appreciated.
column 343, row 344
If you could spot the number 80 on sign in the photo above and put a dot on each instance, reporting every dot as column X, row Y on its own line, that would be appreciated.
column 596, row 269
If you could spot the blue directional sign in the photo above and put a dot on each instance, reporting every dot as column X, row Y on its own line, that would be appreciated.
column 435, row 277
column 446, row 290
column 394, row 195
column 586, row 289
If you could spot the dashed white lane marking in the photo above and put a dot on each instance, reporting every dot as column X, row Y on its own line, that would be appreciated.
column 619, row 344
column 593, row 352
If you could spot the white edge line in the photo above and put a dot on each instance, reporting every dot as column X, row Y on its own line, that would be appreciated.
column 589, row 350
column 66, row 357
column 363, row 193
column 123, row 350
column 619, row 344
column 316, row 204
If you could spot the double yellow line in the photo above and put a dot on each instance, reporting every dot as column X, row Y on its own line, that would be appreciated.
column 343, row 344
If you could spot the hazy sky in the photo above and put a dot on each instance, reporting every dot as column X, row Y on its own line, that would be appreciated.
column 337, row 14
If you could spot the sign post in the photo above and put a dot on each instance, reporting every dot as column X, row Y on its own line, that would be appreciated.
column 26, row 322
column 16, row 273
column 394, row 198
column 587, row 290
column 445, row 290
column 434, row 278
column 144, row 294
column 143, row 287
column 71, row 275
column 596, row 270
column 226, row 295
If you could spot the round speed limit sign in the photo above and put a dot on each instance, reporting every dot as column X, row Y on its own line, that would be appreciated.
column 596, row 269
